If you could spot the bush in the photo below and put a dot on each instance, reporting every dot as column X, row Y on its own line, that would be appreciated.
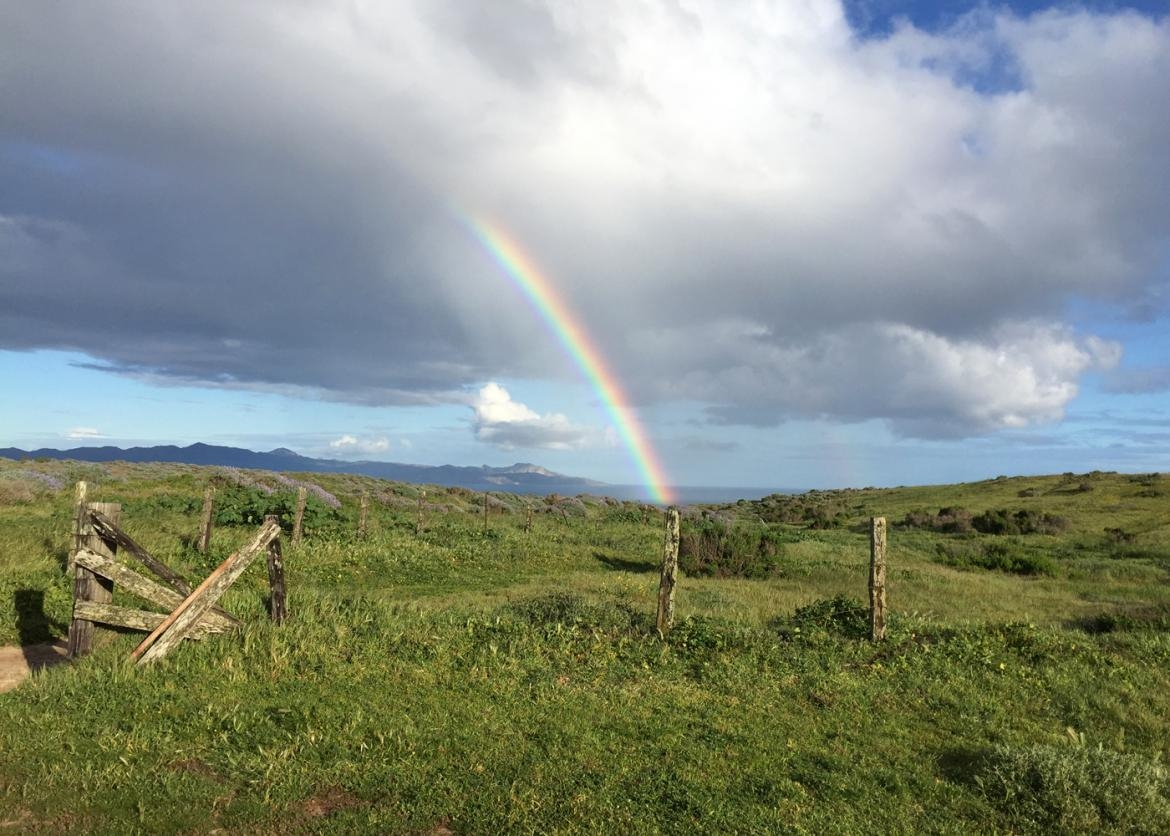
column 1002, row 521
column 839, row 614
column 946, row 521
column 239, row 505
column 569, row 609
column 712, row 548
column 998, row 557
column 1075, row 789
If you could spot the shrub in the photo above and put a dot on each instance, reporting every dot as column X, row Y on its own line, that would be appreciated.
column 1119, row 536
column 712, row 548
column 239, row 505
column 951, row 520
column 569, row 609
column 839, row 614
column 998, row 557
column 1002, row 521
column 1075, row 789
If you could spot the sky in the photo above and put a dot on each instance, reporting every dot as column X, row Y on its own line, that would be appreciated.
column 790, row 244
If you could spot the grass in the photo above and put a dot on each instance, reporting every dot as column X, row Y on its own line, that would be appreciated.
column 492, row 681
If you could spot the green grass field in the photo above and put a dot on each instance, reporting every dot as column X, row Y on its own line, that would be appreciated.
column 488, row 680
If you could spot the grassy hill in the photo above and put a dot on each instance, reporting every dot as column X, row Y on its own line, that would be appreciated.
column 485, row 679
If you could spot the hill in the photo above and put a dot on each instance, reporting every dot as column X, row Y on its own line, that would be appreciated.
column 521, row 477
column 475, row 675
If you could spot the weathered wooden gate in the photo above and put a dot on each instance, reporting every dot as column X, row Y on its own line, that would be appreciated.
column 192, row 613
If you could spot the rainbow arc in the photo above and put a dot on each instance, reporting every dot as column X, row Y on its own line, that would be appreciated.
column 570, row 332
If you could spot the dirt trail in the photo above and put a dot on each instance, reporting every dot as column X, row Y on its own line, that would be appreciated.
column 16, row 663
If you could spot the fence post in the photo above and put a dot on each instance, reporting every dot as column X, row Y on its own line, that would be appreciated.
column 80, row 522
column 277, row 608
column 302, row 495
column 418, row 526
column 208, row 515
column 669, row 573
column 365, row 510
column 877, row 579
column 88, row 586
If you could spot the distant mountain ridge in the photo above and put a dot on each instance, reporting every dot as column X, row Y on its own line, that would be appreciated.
column 521, row 477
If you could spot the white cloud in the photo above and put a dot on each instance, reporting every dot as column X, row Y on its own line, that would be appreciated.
column 742, row 204
column 508, row 424
column 925, row 384
column 352, row 445
column 84, row 433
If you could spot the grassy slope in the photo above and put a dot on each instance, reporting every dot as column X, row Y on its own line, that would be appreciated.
column 511, row 681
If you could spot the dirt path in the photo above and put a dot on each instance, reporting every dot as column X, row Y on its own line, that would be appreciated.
column 16, row 663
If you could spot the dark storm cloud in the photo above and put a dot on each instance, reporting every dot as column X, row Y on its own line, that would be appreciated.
column 747, row 208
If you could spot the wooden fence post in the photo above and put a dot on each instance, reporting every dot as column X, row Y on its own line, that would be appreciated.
column 669, row 573
column 418, row 526
column 877, row 579
column 204, row 542
column 80, row 522
column 277, row 606
column 362, row 514
column 302, row 496
column 88, row 586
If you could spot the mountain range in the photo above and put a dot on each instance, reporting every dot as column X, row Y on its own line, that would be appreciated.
column 521, row 477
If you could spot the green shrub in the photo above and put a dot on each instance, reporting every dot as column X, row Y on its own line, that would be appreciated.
column 947, row 520
column 712, row 548
column 239, row 505
column 840, row 614
column 1076, row 789
column 700, row 634
column 996, row 556
column 1001, row 521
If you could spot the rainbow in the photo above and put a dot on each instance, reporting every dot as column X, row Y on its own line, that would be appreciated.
column 571, row 334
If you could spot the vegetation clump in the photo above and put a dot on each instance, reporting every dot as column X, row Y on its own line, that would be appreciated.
column 1024, row 521
column 996, row 556
column 817, row 510
column 1076, row 789
column 950, row 520
column 841, row 615
column 239, row 505
column 713, row 548
column 955, row 520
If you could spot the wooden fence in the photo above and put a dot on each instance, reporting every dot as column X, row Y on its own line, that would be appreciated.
column 191, row 613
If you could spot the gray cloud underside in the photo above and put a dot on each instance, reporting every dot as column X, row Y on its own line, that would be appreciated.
column 1139, row 381
column 746, row 205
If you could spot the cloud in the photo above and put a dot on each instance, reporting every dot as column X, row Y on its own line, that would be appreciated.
column 709, row 445
column 507, row 424
column 84, row 434
column 1138, row 381
column 349, row 445
column 924, row 384
column 746, row 205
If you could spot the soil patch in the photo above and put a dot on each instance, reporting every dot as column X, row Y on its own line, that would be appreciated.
column 17, row 663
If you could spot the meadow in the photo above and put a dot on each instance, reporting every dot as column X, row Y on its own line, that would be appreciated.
column 483, row 678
